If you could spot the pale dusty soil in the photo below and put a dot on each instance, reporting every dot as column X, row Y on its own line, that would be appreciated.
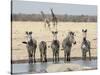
column 19, row 51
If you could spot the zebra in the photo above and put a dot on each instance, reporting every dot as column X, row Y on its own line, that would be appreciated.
column 67, row 45
column 43, row 51
column 46, row 20
column 85, row 46
column 31, row 45
column 55, row 45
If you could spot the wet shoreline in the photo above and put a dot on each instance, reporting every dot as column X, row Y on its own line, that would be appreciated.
column 49, row 60
column 50, row 67
column 48, row 72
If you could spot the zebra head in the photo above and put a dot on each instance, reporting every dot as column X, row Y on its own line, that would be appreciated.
column 29, row 36
column 71, row 37
column 84, row 31
column 54, row 35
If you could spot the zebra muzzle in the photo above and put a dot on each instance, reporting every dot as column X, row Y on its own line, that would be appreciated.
column 75, row 42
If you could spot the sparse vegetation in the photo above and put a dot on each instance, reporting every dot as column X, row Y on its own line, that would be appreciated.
column 63, row 18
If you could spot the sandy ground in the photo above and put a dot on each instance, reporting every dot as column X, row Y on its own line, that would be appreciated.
column 19, row 51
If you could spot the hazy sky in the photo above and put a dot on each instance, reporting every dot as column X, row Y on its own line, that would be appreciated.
column 29, row 7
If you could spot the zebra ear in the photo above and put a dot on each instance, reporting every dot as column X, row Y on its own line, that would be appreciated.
column 56, row 32
column 69, row 32
column 82, row 30
column 30, row 32
column 27, row 32
column 52, row 32
column 73, row 33
column 85, row 30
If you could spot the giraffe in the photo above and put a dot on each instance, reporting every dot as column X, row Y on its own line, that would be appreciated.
column 54, row 19
column 46, row 20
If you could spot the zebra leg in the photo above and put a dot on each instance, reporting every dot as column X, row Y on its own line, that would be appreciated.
column 45, row 57
column 31, row 52
column 29, row 55
column 40, row 56
column 69, row 56
column 89, row 55
column 58, row 56
column 53, row 56
column 64, row 56
column 34, row 56
column 29, row 59
column 82, row 55
column 85, row 55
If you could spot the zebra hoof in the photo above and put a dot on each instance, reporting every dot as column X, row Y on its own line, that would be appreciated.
column 90, row 59
column 34, row 61
column 69, row 60
column 30, row 62
column 46, row 60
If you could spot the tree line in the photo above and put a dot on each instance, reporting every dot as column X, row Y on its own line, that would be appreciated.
column 63, row 18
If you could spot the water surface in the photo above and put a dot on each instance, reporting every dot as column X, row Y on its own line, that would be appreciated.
column 41, row 67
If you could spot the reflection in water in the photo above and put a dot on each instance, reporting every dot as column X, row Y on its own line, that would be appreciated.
column 31, row 68
column 41, row 67
column 37, row 67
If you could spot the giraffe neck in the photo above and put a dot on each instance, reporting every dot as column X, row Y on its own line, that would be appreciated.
column 52, row 14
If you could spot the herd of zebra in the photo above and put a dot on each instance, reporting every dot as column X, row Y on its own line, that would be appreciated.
column 31, row 44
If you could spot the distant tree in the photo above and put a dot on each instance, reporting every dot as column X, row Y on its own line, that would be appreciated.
column 63, row 18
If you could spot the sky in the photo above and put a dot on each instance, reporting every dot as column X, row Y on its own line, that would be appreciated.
column 29, row 7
